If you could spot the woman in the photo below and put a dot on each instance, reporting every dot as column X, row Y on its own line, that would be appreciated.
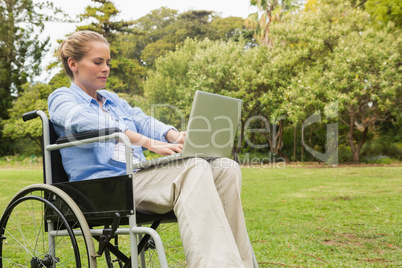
column 205, row 195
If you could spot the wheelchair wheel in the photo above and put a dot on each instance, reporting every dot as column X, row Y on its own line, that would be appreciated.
column 41, row 227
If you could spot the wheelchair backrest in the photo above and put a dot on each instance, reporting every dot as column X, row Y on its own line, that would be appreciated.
column 58, row 172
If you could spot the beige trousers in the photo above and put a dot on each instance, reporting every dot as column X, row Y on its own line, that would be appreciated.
column 205, row 196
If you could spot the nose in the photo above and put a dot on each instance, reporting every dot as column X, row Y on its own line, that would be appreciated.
column 106, row 68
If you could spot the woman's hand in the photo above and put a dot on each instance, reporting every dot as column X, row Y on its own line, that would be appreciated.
column 173, row 136
column 159, row 147
column 163, row 148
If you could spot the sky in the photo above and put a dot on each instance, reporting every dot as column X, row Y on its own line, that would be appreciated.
column 134, row 9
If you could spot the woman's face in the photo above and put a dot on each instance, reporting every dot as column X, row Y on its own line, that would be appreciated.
column 92, row 71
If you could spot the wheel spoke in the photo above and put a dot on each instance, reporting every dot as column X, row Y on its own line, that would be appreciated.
column 12, row 262
column 25, row 239
column 22, row 246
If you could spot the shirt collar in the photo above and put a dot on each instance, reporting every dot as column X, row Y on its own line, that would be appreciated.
column 88, row 98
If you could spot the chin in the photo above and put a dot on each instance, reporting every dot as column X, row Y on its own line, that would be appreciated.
column 101, row 85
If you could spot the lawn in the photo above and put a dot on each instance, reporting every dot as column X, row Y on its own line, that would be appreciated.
column 306, row 217
column 331, row 217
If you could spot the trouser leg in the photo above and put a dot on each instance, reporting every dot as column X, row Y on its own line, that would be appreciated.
column 227, row 177
column 189, row 189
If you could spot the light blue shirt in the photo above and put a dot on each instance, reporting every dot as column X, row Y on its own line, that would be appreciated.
column 72, row 111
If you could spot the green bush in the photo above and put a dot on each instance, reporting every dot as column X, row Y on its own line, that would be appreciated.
column 344, row 154
column 379, row 147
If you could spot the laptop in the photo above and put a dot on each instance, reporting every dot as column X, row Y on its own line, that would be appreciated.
column 211, row 129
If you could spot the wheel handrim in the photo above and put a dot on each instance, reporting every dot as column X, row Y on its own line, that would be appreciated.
column 25, row 241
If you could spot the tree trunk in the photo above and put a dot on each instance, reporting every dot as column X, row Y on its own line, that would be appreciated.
column 355, row 153
column 8, row 56
column 355, row 149
column 356, row 158
column 276, row 144
column 294, row 142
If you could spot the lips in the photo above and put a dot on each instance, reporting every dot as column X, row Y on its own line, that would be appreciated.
column 103, row 78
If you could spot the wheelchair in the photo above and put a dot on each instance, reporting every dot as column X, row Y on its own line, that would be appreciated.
column 56, row 224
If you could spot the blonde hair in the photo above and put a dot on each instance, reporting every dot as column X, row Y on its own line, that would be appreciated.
column 76, row 47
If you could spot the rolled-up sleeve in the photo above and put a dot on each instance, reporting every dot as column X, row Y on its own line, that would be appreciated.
column 147, row 125
column 74, row 116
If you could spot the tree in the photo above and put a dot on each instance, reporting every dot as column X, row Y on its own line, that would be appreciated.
column 21, row 49
column 226, row 28
column 225, row 68
column 33, row 97
column 103, row 20
column 164, row 30
column 155, row 50
column 385, row 11
column 366, row 77
column 149, row 29
column 270, row 10
column 336, row 57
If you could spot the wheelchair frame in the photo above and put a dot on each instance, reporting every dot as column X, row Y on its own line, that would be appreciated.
column 89, row 210
column 87, row 232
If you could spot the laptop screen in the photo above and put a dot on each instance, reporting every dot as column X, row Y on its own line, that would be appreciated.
column 212, row 125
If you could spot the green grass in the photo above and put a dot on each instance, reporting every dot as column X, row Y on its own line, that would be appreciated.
column 12, row 180
column 305, row 217
column 331, row 217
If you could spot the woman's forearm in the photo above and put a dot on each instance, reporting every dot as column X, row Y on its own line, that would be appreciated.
column 138, row 139
column 158, row 147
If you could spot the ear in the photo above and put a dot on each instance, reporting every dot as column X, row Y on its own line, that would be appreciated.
column 72, row 64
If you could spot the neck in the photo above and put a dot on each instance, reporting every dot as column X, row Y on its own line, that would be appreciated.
column 90, row 91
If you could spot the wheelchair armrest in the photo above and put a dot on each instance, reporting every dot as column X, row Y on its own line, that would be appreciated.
column 87, row 134
column 97, row 136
